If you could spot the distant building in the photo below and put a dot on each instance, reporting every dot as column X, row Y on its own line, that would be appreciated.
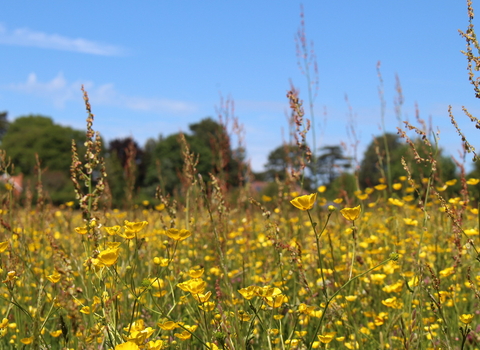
column 15, row 181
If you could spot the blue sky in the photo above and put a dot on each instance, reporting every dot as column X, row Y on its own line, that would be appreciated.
column 154, row 67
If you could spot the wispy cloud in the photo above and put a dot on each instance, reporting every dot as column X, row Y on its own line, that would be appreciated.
column 60, row 91
column 28, row 37
column 107, row 95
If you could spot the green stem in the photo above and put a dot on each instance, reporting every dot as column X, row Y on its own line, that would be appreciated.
column 393, row 256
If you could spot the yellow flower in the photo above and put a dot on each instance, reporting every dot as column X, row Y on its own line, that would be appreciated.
column 322, row 189
column 127, row 346
column 11, row 276
column 202, row 298
column 56, row 333
column 213, row 346
column 276, row 301
column 397, row 186
column 243, row 316
column 451, row 182
column 168, row 325
column 184, row 335
column 196, row 272
column 473, row 181
column 268, row 292
column 327, row 337
column 139, row 336
column 3, row 246
column 471, row 232
column 208, row 306
column 54, row 278
column 113, row 230
column 466, row 318
column 378, row 278
column 266, row 198
column 410, row 222
column 194, row 286
column 447, row 272
column 156, row 282
column 362, row 197
column 4, row 323
column 85, row 310
column 396, row 202
column 380, row 187
column 393, row 303
column 106, row 257
column 248, row 292
column 135, row 226
column 351, row 214
column 127, row 234
column 369, row 190
column 305, row 202
column 81, row 230
column 113, row 245
column 441, row 188
column 26, row 341
column 162, row 262
column 176, row 234
column 155, row 345
column 160, row 207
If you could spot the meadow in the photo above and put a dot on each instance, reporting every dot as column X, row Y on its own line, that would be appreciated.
column 391, row 266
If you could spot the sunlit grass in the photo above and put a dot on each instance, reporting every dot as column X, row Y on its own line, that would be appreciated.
column 243, row 278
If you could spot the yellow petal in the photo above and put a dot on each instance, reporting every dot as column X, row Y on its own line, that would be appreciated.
column 168, row 325
column 108, row 257
column 56, row 334
column 3, row 246
column 135, row 226
column 305, row 202
column 55, row 277
column 113, row 230
column 351, row 214
column 127, row 346
column 178, row 235
column 466, row 318
column 81, row 230
column 473, row 181
column 326, row 337
column 27, row 341
column 85, row 310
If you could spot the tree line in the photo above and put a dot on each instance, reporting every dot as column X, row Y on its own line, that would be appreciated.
column 40, row 148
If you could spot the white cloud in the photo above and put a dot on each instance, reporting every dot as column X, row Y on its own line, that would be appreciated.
column 27, row 37
column 57, row 90
column 60, row 91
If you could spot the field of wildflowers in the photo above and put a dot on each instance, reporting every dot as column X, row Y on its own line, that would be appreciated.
column 394, row 266
column 389, row 267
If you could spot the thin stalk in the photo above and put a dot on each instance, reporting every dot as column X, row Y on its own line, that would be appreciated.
column 393, row 257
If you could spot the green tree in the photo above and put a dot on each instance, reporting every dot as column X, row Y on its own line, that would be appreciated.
column 331, row 163
column 282, row 160
column 207, row 139
column 4, row 124
column 36, row 134
column 374, row 164
column 125, row 169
